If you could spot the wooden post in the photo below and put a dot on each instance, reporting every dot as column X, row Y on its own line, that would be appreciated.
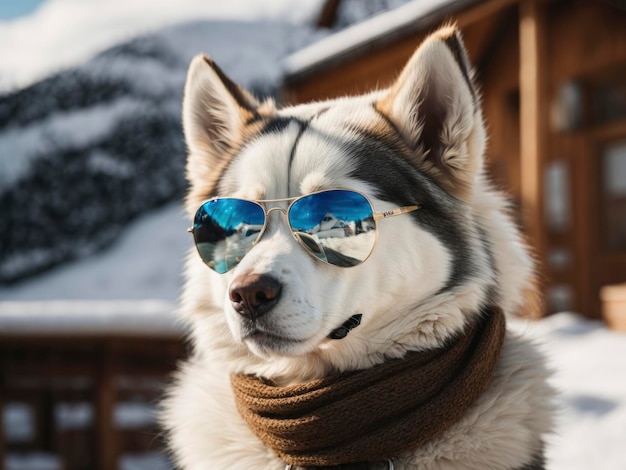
column 3, row 383
column 533, row 121
column 106, row 444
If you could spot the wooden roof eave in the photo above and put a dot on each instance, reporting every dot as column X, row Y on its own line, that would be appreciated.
column 362, row 38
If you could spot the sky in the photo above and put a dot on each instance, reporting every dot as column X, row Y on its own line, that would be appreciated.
column 11, row 9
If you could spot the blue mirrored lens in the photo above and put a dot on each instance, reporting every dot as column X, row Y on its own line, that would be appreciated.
column 335, row 226
column 224, row 231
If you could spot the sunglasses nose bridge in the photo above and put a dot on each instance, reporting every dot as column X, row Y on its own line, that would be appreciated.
column 269, row 211
column 272, row 209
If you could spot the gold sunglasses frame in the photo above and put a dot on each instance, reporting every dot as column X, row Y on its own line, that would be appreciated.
column 377, row 216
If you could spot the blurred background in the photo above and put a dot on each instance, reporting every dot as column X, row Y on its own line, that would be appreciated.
column 93, row 237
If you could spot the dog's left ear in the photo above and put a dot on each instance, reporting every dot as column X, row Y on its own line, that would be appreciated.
column 215, row 112
column 436, row 109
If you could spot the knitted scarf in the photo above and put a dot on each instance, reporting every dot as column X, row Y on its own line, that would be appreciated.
column 374, row 414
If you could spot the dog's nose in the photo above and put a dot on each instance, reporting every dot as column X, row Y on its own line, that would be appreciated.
column 253, row 295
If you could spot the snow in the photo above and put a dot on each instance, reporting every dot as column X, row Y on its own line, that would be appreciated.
column 145, row 461
column 18, row 422
column 134, row 415
column 32, row 461
column 350, row 12
column 249, row 52
column 589, row 363
column 130, row 289
column 146, row 263
column 72, row 415
column 102, row 317
column 60, row 129
column 61, row 33
column 20, row 427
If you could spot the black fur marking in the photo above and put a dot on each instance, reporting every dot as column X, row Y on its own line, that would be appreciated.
column 493, row 294
column 538, row 463
column 319, row 113
column 278, row 124
column 254, row 119
column 292, row 154
column 303, row 127
column 349, row 325
column 271, row 125
column 400, row 182
column 486, row 243
column 460, row 55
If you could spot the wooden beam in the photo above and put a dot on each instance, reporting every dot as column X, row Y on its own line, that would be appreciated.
column 105, row 398
column 480, row 11
column 3, row 402
column 328, row 15
column 533, row 121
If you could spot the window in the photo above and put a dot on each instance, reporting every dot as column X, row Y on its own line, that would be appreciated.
column 557, row 196
column 608, row 98
column 614, row 196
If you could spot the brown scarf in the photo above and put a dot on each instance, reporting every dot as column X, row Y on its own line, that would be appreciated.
column 378, row 413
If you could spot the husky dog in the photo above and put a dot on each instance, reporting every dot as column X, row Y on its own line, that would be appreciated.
column 341, row 236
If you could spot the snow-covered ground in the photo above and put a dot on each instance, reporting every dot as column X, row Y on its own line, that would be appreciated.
column 589, row 363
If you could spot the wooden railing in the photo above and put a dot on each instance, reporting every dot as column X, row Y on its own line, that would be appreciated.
column 85, row 403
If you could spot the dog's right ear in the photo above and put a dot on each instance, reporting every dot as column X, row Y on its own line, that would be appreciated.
column 435, row 107
column 215, row 113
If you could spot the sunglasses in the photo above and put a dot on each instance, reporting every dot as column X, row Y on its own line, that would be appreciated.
column 338, row 227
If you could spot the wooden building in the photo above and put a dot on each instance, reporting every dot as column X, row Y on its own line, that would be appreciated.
column 80, row 384
column 553, row 81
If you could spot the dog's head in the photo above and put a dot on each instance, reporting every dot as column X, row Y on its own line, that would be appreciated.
column 418, row 143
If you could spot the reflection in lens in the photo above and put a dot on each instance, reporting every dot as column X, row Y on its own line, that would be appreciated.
column 312, row 245
column 336, row 226
column 225, row 230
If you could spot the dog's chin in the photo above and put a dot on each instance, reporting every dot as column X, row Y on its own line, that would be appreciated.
column 267, row 345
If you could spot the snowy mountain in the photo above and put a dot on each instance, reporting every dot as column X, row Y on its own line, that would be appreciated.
column 85, row 151
column 65, row 33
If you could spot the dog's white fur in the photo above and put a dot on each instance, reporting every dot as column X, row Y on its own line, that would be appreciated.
column 398, row 289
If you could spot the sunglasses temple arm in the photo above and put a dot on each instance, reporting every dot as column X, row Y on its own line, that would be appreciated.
column 395, row 212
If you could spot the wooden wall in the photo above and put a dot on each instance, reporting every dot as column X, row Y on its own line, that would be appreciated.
column 586, row 40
